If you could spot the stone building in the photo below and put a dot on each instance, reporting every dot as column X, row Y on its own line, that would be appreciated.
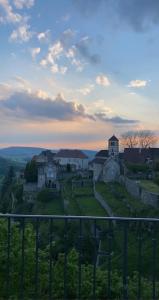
column 105, row 165
column 48, row 170
column 113, row 146
column 76, row 159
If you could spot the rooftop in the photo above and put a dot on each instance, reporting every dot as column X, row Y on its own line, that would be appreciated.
column 71, row 153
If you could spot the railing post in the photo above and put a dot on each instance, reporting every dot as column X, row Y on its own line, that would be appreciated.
column 139, row 261
column 8, row 258
column 65, row 258
column 50, row 258
column 80, row 259
column 94, row 258
column 125, row 265
column 154, row 244
column 109, row 257
column 22, row 259
column 37, row 259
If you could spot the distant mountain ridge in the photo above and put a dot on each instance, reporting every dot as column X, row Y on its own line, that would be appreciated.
column 29, row 152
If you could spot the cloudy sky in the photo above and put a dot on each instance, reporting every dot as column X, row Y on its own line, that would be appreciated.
column 74, row 72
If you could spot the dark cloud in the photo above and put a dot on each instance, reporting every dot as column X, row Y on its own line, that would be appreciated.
column 139, row 14
column 83, row 47
column 26, row 105
column 115, row 120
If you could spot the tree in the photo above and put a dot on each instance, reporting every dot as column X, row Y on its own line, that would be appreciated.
column 139, row 138
column 146, row 138
column 130, row 139
column 31, row 171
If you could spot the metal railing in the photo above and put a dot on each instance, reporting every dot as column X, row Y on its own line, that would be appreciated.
column 78, row 257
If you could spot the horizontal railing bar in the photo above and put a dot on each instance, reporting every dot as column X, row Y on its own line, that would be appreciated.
column 20, row 216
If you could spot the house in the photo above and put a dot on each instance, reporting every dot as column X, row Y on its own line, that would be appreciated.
column 141, row 155
column 76, row 159
column 96, row 165
column 48, row 170
column 105, row 164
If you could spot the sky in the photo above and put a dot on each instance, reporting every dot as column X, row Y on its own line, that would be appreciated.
column 75, row 72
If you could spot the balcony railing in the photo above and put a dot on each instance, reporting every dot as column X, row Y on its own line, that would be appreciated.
column 78, row 257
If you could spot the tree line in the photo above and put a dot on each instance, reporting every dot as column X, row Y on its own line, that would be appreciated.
column 139, row 139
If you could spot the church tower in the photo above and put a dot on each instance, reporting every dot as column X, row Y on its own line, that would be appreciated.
column 113, row 146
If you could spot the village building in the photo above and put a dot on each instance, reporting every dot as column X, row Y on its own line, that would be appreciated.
column 105, row 165
column 48, row 170
column 76, row 159
column 141, row 155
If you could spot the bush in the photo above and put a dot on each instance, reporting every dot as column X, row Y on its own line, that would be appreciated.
column 45, row 195
column 136, row 168
column 156, row 180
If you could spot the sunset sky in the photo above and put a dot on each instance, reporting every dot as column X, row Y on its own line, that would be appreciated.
column 74, row 72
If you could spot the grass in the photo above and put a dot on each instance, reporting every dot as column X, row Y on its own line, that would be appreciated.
column 52, row 207
column 120, row 201
column 81, row 201
column 150, row 186
column 89, row 206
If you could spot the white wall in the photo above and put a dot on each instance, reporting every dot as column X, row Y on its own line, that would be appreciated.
column 78, row 162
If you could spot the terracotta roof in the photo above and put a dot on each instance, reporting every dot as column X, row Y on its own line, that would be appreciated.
column 69, row 153
column 113, row 138
column 102, row 153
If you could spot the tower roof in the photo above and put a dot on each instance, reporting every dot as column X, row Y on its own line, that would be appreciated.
column 113, row 138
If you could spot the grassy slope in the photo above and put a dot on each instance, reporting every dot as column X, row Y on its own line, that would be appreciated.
column 150, row 186
column 81, row 201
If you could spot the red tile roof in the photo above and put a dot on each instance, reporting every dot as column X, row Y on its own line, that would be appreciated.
column 69, row 153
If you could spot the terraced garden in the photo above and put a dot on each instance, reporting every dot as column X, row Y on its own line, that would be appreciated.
column 120, row 201
column 81, row 201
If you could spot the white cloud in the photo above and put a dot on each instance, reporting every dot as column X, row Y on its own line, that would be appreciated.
column 9, row 15
column 137, row 83
column 79, row 64
column 102, row 80
column 63, row 70
column 56, row 69
column 20, row 4
column 55, row 51
column 21, row 34
column 5, row 90
column 44, row 36
column 100, row 106
column 87, row 89
column 43, row 62
column 35, row 52
column 71, row 52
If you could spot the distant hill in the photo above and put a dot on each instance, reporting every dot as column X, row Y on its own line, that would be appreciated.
column 90, row 153
column 26, row 153
column 20, row 153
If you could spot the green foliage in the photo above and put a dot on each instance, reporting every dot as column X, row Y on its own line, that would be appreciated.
column 150, row 185
column 31, row 171
column 157, row 166
column 136, row 168
column 6, row 190
column 156, row 180
column 59, row 272
column 45, row 195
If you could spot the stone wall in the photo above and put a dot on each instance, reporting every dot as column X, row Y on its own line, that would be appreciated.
column 134, row 188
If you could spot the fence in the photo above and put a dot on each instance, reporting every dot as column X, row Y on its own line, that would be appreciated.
column 78, row 257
